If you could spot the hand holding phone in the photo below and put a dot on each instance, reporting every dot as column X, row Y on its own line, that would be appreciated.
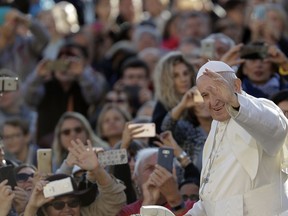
column 58, row 187
column 112, row 157
column 147, row 130
column 7, row 172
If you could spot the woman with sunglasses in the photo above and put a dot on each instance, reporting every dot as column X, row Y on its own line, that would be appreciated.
column 109, row 201
column 71, row 126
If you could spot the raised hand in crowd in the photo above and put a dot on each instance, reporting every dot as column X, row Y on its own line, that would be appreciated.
column 232, row 56
column 37, row 199
column 6, row 198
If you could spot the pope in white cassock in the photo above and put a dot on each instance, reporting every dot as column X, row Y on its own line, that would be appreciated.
column 242, row 156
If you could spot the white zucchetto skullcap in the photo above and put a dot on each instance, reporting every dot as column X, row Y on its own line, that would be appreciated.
column 215, row 66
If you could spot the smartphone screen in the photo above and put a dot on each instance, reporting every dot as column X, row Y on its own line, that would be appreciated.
column 7, row 172
column 165, row 158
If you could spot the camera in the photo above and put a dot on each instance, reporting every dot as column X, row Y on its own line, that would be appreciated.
column 8, row 84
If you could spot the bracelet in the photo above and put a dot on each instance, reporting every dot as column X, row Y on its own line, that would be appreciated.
column 179, row 207
column 282, row 71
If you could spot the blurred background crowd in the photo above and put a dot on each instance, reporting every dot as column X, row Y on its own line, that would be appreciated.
column 89, row 68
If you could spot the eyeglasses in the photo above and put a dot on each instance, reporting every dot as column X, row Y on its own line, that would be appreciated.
column 11, row 137
column 68, row 131
column 59, row 205
column 23, row 177
column 193, row 197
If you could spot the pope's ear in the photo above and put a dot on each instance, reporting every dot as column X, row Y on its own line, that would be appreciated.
column 238, row 85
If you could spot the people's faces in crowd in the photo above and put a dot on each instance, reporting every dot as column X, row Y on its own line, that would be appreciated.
column 72, row 129
column 113, row 123
column 147, row 40
column 24, row 179
column 257, row 70
column 14, row 139
column 103, row 10
column 145, row 169
column 127, row 10
column 190, row 191
column 135, row 76
column 72, row 57
column 9, row 100
column 64, row 205
column 118, row 98
column 182, row 78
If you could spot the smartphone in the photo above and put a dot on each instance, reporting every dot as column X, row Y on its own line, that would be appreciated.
column 149, row 129
column 197, row 97
column 208, row 48
column 165, row 158
column 7, row 172
column 58, row 65
column 257, row 51
column 44, row 161
column 58, row 187
column 113, row 157
column 8, row 84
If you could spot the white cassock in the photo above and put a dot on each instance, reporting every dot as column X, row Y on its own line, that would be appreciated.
column 243, row 165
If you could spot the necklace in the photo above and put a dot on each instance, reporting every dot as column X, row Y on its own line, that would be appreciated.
column 212, row 157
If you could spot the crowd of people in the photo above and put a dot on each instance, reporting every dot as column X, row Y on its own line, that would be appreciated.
column 211, row 75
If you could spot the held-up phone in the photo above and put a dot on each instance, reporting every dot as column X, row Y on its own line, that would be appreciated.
column 44, row 161
column 58, row 65
column 149, row 129
column 8, row 84
column 254, row 51
column 165, row 158
column 58, row 187
column 112, row 157
column 208, row 48
column 7, row 172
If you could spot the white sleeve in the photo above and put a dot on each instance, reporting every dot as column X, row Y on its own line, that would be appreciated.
column 197, row 210
column 263, row 120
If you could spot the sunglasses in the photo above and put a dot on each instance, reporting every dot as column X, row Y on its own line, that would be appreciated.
column 59, row 205
column 23, row 177
column 68, row 131
column 193, row 197
column 115, row 101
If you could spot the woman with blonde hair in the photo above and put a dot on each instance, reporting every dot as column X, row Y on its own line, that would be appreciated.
column 173, row 77
column 111, row 123
column 72, row 126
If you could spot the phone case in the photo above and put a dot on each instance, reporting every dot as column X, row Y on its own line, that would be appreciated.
column 165, row 158
column 44, row 160
column 8, row 83
column 208, row 48
column 58, row 187
column 149, row 130
column 7, row 172
column 113, row 157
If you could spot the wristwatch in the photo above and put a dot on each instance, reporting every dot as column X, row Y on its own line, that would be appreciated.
column 182, row 156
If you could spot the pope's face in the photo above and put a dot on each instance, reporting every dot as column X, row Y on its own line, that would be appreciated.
column 215, row 106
